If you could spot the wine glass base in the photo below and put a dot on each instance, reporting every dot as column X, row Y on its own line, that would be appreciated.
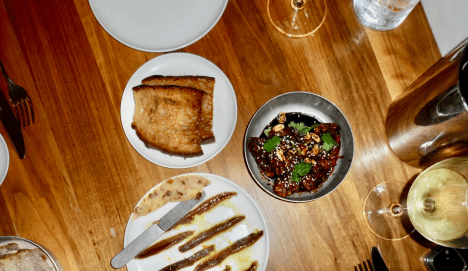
column 386, row 212
column 297, row 19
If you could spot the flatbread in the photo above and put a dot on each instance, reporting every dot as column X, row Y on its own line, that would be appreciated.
column 176, row 189
column 168, row 118
column 203, row 83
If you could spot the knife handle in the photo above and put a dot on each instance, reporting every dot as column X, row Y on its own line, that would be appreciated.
column 152, row 233
column 136, row 246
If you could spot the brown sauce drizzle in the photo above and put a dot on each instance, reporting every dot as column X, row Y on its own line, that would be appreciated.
column 240, row 244
column 190, row 260
column 203, row 236
column 163, row 244
column 204, row 207
column 253, row 267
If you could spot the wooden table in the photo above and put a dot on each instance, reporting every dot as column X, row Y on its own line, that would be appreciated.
column 80, row 179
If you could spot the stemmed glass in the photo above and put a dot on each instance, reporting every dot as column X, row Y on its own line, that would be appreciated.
column 435, row 205
column 297, row 18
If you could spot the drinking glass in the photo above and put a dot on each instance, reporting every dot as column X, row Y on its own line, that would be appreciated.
column 297, row 18
column 435, row 205
column 383, row 14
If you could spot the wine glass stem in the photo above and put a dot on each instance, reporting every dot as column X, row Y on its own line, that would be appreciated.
column 429, row 205
column 298, row 3
column 396, row 209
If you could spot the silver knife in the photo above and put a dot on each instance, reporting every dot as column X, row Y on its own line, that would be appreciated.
column 377, row 260
column 12, row 126
column 152, row 233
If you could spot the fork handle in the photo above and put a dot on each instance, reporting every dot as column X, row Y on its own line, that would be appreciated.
column 4, row 72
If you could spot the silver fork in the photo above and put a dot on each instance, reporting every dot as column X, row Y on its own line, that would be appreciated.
column 20, row 100
column 365, row 266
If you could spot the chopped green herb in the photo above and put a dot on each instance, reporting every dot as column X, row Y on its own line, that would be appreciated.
column 271, row 143
column 267, row 130
column 315, row 125
column 328, row 142
column 300, row 127
column 300, row 169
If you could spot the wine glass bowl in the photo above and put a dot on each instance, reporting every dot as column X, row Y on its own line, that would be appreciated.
column 297, row 18
column 435, row 204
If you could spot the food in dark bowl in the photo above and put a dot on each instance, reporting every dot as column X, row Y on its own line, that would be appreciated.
column 296, row 152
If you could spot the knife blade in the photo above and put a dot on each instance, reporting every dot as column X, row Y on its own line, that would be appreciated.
column 154, row 232
column 12, row 126
column 377, row 260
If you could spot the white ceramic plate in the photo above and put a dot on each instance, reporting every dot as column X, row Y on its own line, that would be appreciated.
column 4, row 159
column 240, row 204
column 224, row 103
column 158, row 25
column 28, row 244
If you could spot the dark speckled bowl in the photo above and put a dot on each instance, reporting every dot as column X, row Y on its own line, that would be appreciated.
column 312, row 105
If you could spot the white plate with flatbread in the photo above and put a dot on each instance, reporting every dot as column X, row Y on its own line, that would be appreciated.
column 224, row 106
column 158, row 25
column 241, row 204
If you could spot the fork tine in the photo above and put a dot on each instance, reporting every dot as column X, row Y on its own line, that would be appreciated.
column 22, row 113
column 364, row 266
column 23, row 109
column 26, row 111
column 15, row 109
column 31, row 108
column 25, row 117
column 369, row 264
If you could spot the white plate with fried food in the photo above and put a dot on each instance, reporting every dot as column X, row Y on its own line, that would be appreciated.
column 224, row 111
column 157, row 25
column 238, row 205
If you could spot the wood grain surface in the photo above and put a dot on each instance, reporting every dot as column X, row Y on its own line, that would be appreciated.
column 81, row 178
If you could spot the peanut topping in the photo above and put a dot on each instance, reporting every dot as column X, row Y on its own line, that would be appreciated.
column 282, row 117
column 315, row 137
column 278, row 128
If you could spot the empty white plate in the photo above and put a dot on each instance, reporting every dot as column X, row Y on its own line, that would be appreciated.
column 158, row 25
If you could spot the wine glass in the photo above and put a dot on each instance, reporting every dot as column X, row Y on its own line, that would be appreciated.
column 297, row 18
column 435, row 205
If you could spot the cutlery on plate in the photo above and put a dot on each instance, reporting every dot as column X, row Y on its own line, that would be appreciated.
column 154, row 232
column 12, row 126
column 377, row 260
column 20, row 100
